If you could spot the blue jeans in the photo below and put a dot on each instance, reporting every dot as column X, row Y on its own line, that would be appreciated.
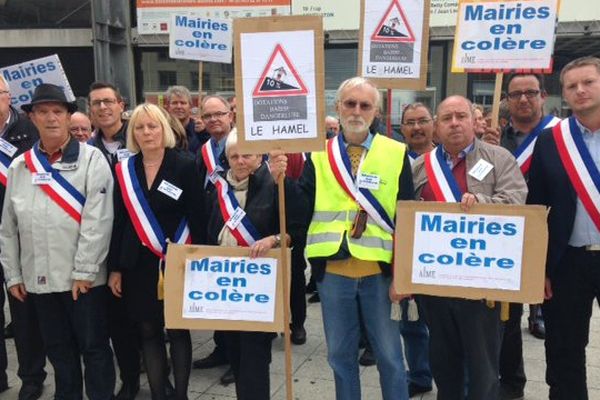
column 73, row 330
column 416, row 349
column 341, row 298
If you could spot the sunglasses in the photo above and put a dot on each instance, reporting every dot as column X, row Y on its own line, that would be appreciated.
column 351, row 105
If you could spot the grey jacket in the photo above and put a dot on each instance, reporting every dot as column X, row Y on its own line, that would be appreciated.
column 42, row 246
column 503, row 184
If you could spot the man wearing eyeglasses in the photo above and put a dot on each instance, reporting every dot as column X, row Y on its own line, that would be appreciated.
column 349, row 240
column 417, row 129
column 106, row 106
column 81, row 127
column 217, row 117
column 525, row 98
column 19, row 134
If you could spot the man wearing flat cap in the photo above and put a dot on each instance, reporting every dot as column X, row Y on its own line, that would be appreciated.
column 56, row 224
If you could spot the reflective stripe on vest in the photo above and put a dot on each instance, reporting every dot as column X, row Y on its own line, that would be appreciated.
column 335, row 211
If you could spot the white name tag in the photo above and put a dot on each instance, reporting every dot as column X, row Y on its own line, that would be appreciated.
column 170, row 190
column 122, row 154
column 7, row 148
column 481, row 169
column 41, row 178
column 236, row 218
column 368, row 181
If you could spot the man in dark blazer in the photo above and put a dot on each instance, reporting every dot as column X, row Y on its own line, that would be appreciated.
column 563, row 170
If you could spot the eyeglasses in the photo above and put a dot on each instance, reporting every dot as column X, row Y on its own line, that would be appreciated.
column 516, row 95
column 216, row 115
column 420, row 122
column 76, row 129
column 107, row 102
column 351, row 105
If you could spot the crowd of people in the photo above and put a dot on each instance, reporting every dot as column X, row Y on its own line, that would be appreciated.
column 90, row 202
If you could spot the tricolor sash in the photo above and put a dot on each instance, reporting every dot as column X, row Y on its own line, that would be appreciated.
column 525, row 150
column 440, row 178
column 65, row 195
column 144, row 221
column 4, row 163
column 579, row 165
column 342, row 170
column 412, row 157
column 244, row 232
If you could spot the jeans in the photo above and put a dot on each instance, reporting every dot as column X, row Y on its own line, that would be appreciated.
column 341, row 298
column 72, row 330
column 416, row 349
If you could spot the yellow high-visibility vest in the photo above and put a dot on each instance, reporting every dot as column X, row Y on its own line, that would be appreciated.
column 334, row 210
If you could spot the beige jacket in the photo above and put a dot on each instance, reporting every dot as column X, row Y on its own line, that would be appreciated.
column 41, row 245
column 503, row 184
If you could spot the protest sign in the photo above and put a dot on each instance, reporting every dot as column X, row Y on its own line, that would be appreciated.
column 154, row 16
column 193, row 37
column 23, row 78
column 494, row 252
column 394, row 43
column 337, row 14
column 279, row 80
column 501, row 36
column 211, row 287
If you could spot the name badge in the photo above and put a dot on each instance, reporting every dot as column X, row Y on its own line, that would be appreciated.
column 41, row 178
column 170, row 190
column 7, row 148
column 368, row 181
column 236, row 218
column 123, row 154
column 481, row 169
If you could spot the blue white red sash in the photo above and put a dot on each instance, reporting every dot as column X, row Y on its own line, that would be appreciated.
column 525, row 150
column 4, row 163
column 579, row 165
column 412, row 157
column 244, row 232
column 440, row 178
column 342, row 170
column 142, row 217
column 65, row 195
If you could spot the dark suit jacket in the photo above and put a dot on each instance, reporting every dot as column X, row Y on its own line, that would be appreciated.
column 179, row 170
column 202, row 169
column 550, row 185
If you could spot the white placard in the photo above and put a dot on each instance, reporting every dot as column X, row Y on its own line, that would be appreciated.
column 502, row 36
column 337, row 14
column 230, row 288
column 468, row 250
column 392, row 39
column 25, row 77
column 279, row 88
column 194, row 37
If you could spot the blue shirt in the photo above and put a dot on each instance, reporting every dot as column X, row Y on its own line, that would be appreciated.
column 462, row 154
column 584, row 230
column 366, row 143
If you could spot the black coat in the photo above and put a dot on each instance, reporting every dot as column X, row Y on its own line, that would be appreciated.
column 550, row 185
column 126, row 249
column 262, row 208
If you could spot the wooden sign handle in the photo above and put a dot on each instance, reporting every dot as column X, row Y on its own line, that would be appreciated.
column 497, row 95
column 286, row 289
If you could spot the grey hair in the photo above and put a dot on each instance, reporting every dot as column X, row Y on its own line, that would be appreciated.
column 357, row 81
column 180, row 91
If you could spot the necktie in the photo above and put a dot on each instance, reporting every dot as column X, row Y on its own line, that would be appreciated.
column 355, row 154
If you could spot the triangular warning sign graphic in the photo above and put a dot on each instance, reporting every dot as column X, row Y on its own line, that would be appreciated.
column 394, row 26
column 279, row 78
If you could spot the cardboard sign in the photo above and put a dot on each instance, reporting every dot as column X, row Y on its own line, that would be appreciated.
column 154, row 16
column 25, row 77
column 193, row 37
column 280, row 79
column 393, row 43
column 211, row 287
column 502, row 36
column 494, row 252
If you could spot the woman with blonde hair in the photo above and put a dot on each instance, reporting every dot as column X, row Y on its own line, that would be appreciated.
column 157, row 198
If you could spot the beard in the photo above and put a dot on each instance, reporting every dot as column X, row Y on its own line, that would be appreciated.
column 350, row 125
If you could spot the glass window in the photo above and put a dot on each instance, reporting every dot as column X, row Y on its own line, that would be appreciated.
column 45, row 14
column 166, row 79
